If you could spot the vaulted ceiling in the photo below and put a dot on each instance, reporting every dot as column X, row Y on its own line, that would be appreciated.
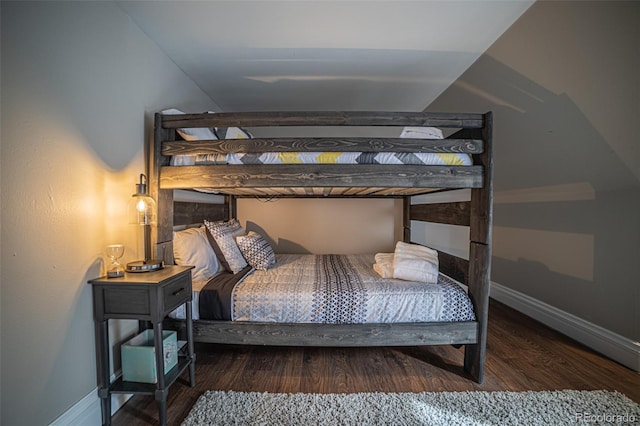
column 324, row 55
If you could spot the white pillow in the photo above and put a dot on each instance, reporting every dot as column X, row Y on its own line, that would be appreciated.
column 232, row 133
column 421, row 133
column 193, row 133
column 191, row 247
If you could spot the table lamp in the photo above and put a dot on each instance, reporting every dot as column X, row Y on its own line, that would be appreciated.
column 142, row 209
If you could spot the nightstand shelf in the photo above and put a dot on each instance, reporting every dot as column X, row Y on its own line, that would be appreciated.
column 147, row 297
column 123, row 386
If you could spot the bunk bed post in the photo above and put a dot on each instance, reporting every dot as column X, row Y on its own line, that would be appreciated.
column 232, row 205
column 406, row 219
column 162, row 235
column 480, row 254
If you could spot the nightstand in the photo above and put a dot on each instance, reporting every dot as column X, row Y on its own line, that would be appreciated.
column 147, row 297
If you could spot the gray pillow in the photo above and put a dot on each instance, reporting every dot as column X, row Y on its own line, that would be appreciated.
column 256, row 250
column 224, row 234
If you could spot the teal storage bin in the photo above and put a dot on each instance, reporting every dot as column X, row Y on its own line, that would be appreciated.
column 139, row 359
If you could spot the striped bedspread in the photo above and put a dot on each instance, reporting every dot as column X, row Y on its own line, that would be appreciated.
column 343, row 289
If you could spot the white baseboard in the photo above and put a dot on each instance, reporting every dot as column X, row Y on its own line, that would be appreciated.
column 87, row 411
column 619, row 348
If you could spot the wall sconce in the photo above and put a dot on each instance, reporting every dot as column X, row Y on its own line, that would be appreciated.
column 142, row 210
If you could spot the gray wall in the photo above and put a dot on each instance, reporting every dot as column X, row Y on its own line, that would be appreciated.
column 564, row 85
column 79, row 84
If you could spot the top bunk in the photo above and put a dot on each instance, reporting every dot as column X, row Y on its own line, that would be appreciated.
column 321, row 154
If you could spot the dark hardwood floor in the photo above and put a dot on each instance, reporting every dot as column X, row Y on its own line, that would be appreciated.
column 522, row 354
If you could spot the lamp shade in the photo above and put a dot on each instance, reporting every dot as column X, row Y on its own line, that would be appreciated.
column 142, row 208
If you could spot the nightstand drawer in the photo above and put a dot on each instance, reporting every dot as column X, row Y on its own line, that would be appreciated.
column 127, row 301
column 177, row 292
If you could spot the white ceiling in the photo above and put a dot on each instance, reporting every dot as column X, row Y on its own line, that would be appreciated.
column 324, row 55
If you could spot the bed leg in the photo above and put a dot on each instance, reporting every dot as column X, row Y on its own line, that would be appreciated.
column 479, row 282
column 474, row 361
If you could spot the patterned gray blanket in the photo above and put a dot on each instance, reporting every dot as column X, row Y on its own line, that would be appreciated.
column 343, row 289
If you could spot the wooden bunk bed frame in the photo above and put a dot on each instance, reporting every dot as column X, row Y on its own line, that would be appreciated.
column 473, row 135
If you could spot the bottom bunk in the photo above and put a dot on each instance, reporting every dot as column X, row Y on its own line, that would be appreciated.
column 258, row 298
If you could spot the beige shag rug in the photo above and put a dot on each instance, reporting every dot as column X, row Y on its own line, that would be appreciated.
column 567, row 407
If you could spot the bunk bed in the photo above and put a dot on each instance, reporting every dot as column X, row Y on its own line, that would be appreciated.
column 470, row 135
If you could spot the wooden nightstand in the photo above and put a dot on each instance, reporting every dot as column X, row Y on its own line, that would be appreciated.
column 147, row 297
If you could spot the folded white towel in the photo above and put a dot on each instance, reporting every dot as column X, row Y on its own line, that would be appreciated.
column 384, row 258
column 384, row 264
column 414, row 262
column 382, row 271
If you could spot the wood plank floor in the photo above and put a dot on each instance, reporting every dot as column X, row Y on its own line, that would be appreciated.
column 522, row 354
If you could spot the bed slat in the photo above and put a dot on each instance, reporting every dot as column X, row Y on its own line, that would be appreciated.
column 187, row 213
column 324, row 118
column 316, row 175
column 344, row 335
column 454, row 267
column 259, row 145
column 455, row 213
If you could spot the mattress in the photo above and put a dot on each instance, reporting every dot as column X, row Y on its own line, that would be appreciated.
column 327, row 289
column 406, row 158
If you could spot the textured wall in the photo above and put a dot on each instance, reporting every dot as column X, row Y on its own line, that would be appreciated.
column 79, row 84
column 564, row 84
